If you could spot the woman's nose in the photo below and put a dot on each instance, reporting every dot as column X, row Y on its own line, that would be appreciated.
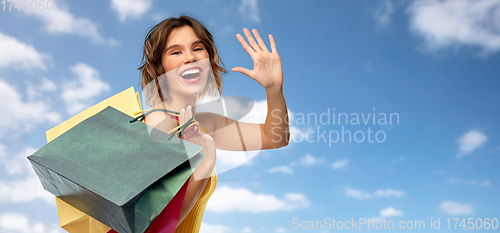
column 190, row 57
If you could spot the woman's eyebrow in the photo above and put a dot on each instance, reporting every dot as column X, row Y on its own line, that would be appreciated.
column 178, row 46
column 172, row 47
column 197, row 42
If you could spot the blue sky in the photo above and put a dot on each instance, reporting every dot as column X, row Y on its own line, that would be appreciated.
column 434, row 63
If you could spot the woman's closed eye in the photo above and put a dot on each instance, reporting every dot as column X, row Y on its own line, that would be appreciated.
column 177, row 52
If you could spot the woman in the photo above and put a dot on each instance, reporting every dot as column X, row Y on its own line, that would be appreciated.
column 180, row 67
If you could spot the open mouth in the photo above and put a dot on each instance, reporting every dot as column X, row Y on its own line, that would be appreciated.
column 191, row 74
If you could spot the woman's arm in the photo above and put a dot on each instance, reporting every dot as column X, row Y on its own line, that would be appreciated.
column 199, row 179
column 276, row 125
column 233, row 135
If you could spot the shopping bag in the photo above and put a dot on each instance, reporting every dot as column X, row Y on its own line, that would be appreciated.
column 103, row 173
column 74, row 220
column 126, row 101
column 71, row 219
column 168, row 219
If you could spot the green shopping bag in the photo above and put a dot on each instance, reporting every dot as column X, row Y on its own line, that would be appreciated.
column 110, row 169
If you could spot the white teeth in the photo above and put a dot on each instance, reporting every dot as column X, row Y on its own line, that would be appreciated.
column 192, row 71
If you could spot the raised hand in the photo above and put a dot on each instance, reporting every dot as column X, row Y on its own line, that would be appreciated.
column 267, row 69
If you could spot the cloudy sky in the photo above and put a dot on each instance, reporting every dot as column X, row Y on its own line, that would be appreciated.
column 395, row 106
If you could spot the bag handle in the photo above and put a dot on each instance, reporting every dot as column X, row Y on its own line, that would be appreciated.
column 189, row 124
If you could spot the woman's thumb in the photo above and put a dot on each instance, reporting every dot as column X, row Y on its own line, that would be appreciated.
column 242, row 70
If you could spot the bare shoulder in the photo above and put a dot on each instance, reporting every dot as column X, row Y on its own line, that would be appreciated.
column 161, row 121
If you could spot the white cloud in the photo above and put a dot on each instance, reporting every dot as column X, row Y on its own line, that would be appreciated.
column 250, row 9
column 280, row 229
column 60, row 21
column 18, row 163
column 308, row 160
column 23, row 115
column 19, row 223
column 452, row 23
column 25, row 190
column 282, row 169
column 216, row 228
column 359, row 194
column 3, row 152
column 246, row 230
column 340, row 164
column 456, row 181
column 389, row 211
column 130, row 8
column 47, row 85
column 384, row 12
column 226, row 199
column 213, row 228
column 227, row 160
column 470, row 141
column 31, row 92
column 388, row 193
column 79, row 93
column 454, row 208
column 16, row 54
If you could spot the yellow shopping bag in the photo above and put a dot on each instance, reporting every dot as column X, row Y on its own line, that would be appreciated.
column 71, row 219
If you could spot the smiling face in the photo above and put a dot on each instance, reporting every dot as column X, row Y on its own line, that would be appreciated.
column 186, row 63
